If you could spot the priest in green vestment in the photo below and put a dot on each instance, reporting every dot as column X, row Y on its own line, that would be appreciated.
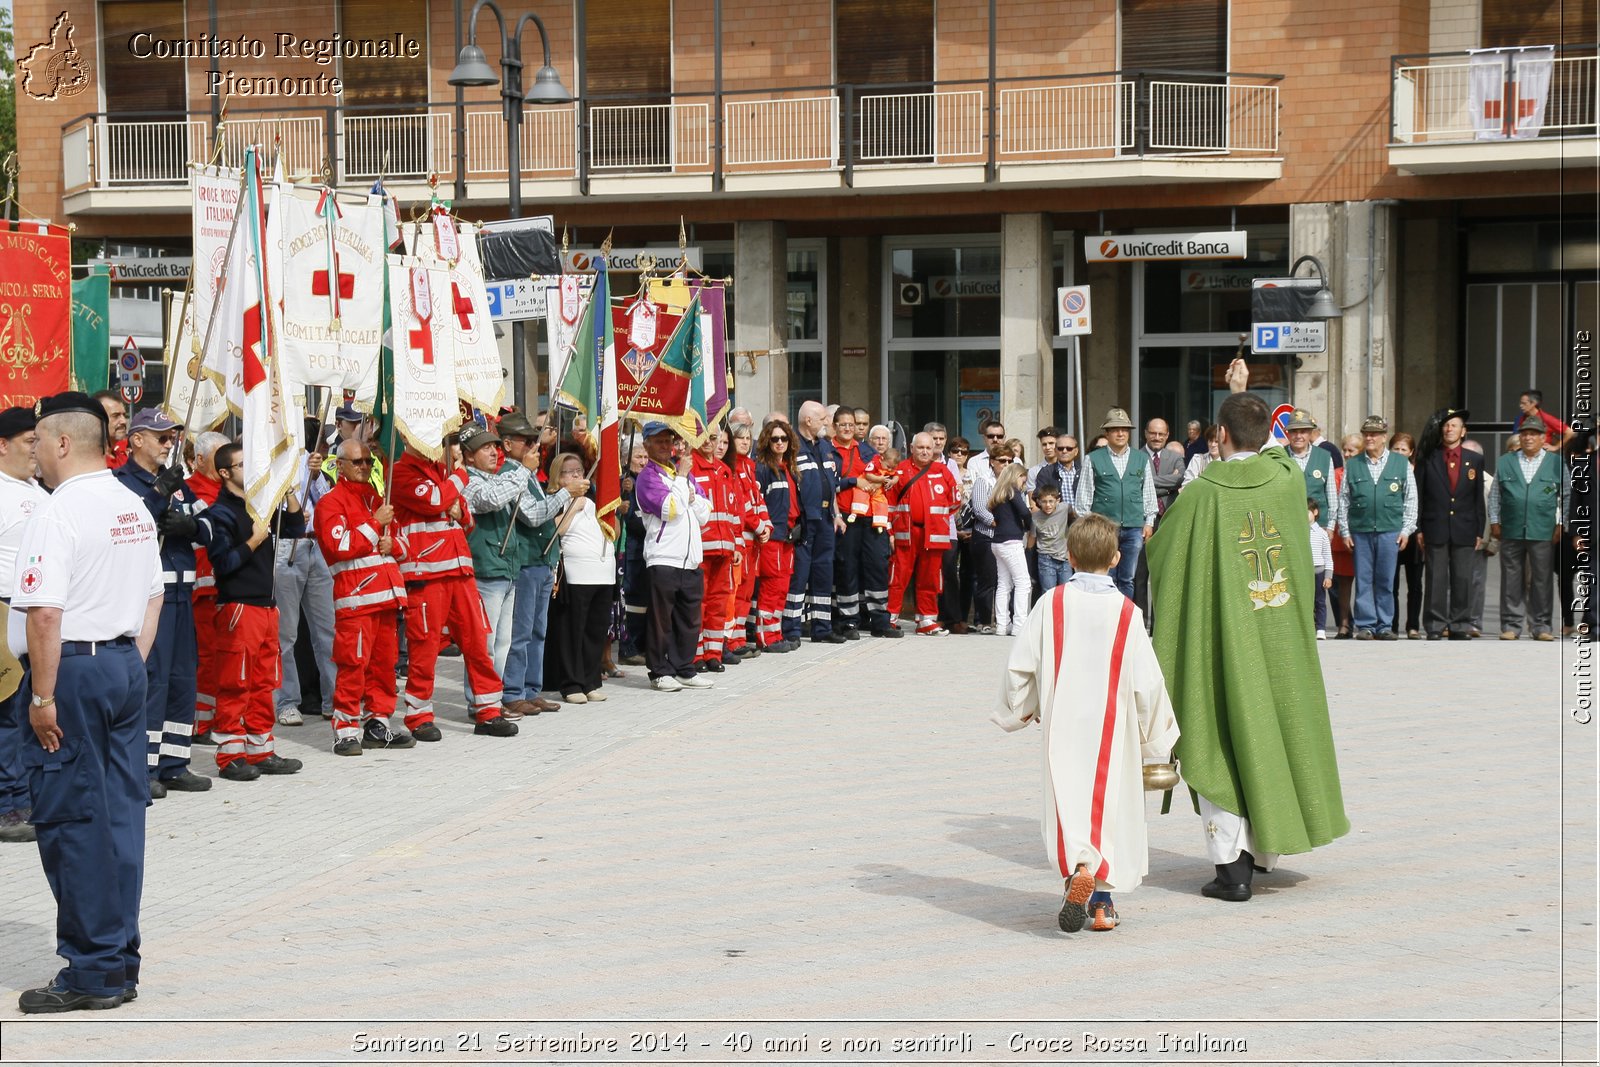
column 1232, row 594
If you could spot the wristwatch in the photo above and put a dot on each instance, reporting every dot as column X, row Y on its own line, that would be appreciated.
column 42, row 702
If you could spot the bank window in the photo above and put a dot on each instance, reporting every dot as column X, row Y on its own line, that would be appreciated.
column 803, row 308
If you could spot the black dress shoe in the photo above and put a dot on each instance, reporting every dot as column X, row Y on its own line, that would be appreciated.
column 1460, row 637
column 851, row 633
column 427, row 732
column 157, row 790
column 710, row 666
column 1219, row 890
column 187, row 782
column 1387, row 635
column 1437, row 637
column 730, row 659
column 53, row 998
column 239, row 771
column 828, row 639
column 892, row 632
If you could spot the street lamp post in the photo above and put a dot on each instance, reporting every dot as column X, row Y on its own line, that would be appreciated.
column 472, row 69
column 1323, row 305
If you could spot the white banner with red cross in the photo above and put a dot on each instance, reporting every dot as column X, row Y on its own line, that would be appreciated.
column 448, row 244
column 425, row 404
column 327, row 266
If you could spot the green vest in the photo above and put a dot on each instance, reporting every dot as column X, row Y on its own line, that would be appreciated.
column 1319, row 479
column 1528, row 509
column 1119, row 498
column 1232, row 583
column 1376, row 507
column 485, row 538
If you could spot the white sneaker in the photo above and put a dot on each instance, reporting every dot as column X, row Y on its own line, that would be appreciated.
column 696, row 681
column 666, row 683
column 290, row 717
column 1322, row 635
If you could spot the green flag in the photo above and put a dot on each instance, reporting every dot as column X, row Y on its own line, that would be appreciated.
column 682, row 360
column 91, row 330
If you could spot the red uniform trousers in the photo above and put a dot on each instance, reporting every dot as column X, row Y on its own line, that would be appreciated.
column 431, row 606
column 744, row 591
column 923, row 565
column 365, row 647
column 776, row 569
column 718, row 569
column 205, row 674
column 249, row 668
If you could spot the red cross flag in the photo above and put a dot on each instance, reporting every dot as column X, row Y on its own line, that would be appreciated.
column 479, row 380
column 425, row 403
column 329, row 272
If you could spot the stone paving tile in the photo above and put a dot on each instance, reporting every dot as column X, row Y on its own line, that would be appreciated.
column 840, row 833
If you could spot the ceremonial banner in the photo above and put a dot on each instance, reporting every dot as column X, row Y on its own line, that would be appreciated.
column 242, row 357
column 663, row 394
column 91, row 330
column 329, row 272
column 35, row 312
column 425, row 404
column 383, row 407
column 566, row 303
column 714, row 338
column 1531, row 70
column 452, row 246
column 215, row 195
column 590, row 386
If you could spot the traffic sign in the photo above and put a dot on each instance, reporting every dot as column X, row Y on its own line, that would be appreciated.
column 1280, row 422
column 130, row 371
column 522, row 298
column 1073, row 311
column 1289, row 337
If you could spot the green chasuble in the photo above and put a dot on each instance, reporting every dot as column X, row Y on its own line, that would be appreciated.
column 1231, row 591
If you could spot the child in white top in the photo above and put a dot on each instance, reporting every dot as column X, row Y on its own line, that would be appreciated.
column 1322, row 563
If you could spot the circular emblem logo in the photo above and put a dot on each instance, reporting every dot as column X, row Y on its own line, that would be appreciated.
column 1109, row 249
column 1316, row 474
column 32, row 579
column 422, row 490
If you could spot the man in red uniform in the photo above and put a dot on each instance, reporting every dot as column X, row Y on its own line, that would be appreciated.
column 441, row 593
column 353, row 531
column 921, row 497
column 246, row 620
column 205, row 483
column 718, row 539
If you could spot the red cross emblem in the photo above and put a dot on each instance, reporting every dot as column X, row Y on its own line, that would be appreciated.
column 254, row 371
column 319, row 283
column 422, row 341
column 461, row 306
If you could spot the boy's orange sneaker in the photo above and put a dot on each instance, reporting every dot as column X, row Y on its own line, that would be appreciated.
column 1105, row 917
column 1079, row 888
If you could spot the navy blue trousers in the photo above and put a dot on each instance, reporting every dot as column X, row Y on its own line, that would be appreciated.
column 89, row 799
column 170, row 683
column 811, row 587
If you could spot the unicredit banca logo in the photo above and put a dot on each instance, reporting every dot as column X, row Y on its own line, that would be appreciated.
column 55, row 69
column 1109, row 249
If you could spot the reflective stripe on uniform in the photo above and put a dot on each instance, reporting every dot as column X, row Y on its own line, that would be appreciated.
column 351, row 564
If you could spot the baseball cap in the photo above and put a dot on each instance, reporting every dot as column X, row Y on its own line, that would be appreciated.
column 475, row 439
column 154, row 420
column 654, row 427
column 347, row 413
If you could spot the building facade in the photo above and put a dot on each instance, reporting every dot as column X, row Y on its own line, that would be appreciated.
column 898, row 187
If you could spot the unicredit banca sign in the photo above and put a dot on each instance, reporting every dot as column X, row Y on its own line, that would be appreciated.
column 1224, row 244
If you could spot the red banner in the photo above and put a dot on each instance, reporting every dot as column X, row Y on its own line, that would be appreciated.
column 648, row 395
column 35, row 312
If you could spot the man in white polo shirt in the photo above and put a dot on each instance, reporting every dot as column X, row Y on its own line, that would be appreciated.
column 88, row 575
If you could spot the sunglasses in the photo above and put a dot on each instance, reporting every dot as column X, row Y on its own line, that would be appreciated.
column 165, row 438
column 994, row 436
column 775, row 438
column 357, row 462
column 959, row 451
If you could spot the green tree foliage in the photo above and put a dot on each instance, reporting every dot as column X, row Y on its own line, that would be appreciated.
column 8, row 86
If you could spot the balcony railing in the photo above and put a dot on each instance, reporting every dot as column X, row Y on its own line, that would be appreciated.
column 1493, row 95
column 831, row 128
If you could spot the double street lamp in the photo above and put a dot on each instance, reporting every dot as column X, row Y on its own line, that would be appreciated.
column 472, row 69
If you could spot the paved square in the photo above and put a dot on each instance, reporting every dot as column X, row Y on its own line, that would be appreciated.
column 840, row 834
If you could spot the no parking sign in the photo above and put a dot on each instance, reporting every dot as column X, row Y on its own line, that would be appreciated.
column 1280, row 423
column 130, row 371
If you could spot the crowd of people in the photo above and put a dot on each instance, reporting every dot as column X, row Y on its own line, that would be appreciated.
column 744, row 542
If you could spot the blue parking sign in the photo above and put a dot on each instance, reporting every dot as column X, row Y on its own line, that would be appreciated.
column 493, row 292
column 1266, row 338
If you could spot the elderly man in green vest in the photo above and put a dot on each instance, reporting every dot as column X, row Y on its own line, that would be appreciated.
column 1317, row 465
column 1378, row 508
column 1524, row 512
column 1117, row 483
column 1231, row 569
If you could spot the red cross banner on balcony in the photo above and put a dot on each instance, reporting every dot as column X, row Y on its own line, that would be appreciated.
column 425, row 404
column 35, row 312
column 330, row 277
column 193, row 398
column 479, row 380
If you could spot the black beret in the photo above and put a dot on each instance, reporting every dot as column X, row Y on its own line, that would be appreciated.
column 62, row 403
column 16, row 420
